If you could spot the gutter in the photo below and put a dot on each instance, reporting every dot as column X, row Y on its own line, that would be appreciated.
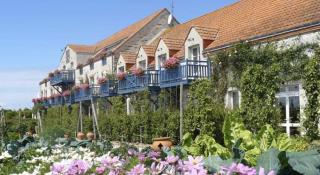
column 261, row 37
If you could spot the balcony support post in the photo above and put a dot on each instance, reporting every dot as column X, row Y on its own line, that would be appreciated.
column 95, row 119
column 181, row 112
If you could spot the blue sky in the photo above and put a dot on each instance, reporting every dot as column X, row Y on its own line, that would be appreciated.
column 33, row 33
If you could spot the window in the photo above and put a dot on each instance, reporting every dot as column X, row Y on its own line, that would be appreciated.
column 91, row 80
column 194, row 52
column 64, row 67
column 142, row 64
column 121, row 69
column 288, row 100
column 67, row 56
column 91, row 66
column 104, row 61
column 162, row 59
column 233, row 98
column 81, row 71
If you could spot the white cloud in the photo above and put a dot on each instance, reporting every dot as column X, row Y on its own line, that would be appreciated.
column 18, row 87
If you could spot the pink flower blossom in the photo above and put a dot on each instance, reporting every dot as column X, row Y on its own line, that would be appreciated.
column 171, row 63
column 121, row 75
column 137, row 170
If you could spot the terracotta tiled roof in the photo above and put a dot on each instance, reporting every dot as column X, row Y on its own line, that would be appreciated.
column 82, row 48
column 207, row 33
column 173, row 43
column 129, row 31
column 249, row 19
column 149, row 50
column 129, row 57
column 180, row 54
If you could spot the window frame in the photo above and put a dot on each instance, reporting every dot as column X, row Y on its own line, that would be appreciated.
column 104, row 61
column 191, row 52
column 161, row 59
column 230, row 98
column 288, row 93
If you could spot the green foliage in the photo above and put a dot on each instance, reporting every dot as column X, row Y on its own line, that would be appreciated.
column 203, row 111
column 290, row 162
column 259, row 86
column 255, row 144
column 204, row 145
column 269, row 161
column 312, row 88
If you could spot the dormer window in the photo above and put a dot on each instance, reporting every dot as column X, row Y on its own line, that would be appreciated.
column 142, row 64
column 121, row 69
column 67, row 56
column 91, row 66
column 162, row 59
column 104, row 61
column 194, row 52
column 81, row 71
column 71, row 65
column 233, row 98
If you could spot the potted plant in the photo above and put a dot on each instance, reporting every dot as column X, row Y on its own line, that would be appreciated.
column 75, row 88
column 90, row 61
column 138, row 71
column 56, row 72
column 66, row 93
column 102, row 80
column 121, row 75
column 50, row 75
column 162, row 142
column 171, row 63
column 79, row 66
column 84, row 86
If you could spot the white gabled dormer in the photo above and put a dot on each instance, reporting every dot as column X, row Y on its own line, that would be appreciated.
column 126, row 61
column 166, row 48
column 197, row 40
column 145, row 57
column 74, row 55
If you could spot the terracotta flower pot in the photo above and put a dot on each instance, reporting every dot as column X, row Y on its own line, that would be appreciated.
column 159, row 143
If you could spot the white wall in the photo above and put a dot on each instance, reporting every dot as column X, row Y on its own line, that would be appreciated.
column 141, row 57
column 98, row 71
column 193, row 39
column 161, row 49
column 121, row 63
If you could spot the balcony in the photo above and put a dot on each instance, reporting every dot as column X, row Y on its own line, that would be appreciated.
column 133, row 83
column 86, row 94
column 69, row 100
column 64, row 77
column 185, row 73
column 109, row 89
column 55, row 101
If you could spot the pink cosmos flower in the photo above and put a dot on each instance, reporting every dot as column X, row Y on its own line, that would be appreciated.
column 172, row 159
column 137, row 170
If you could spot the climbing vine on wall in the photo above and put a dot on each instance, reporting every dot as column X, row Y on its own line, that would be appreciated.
column 312, row 88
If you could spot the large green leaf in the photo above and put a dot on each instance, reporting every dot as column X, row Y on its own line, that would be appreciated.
column 213, row 163
column 269, row 161
column 265, row 137
column 305, row 162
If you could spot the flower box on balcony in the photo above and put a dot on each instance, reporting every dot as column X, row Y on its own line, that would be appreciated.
column 138, row 71
column 66, row 93
column 121, row 75
column 102, row 80
column 84, row 86
column 171, row 63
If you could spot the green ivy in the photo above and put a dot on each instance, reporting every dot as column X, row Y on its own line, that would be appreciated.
column 312, row 88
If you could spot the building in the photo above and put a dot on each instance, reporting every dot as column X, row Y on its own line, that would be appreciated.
column 146, row 51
